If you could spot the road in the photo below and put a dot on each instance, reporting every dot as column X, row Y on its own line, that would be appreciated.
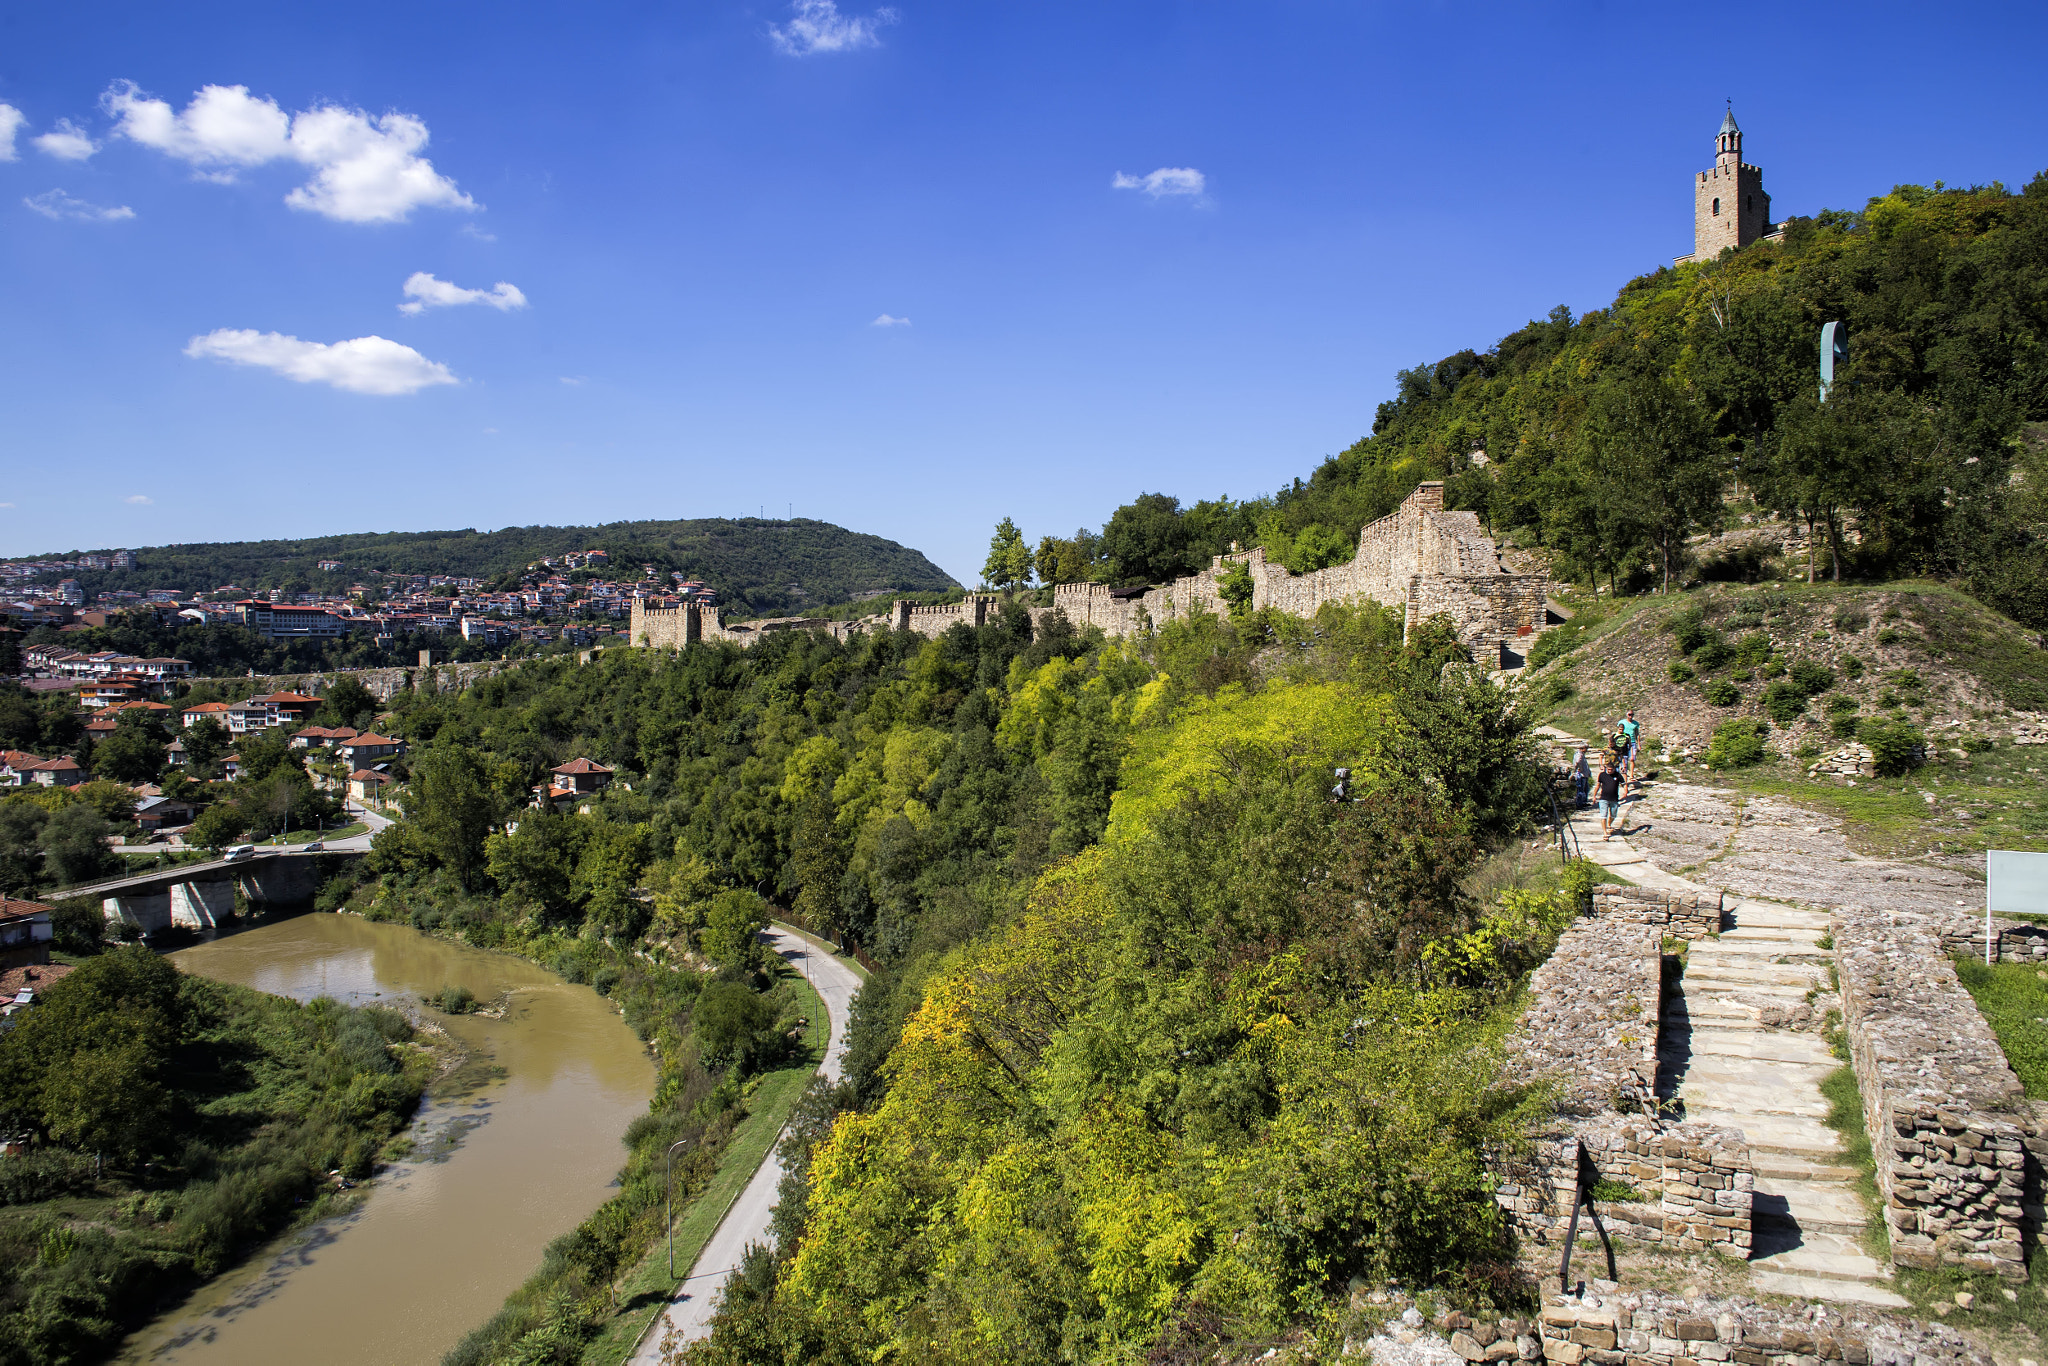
column 689, row 1313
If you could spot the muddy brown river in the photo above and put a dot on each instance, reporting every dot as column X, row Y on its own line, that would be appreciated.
column 498, row 1171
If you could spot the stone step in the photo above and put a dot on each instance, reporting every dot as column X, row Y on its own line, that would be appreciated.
column 1765, row 1045
column 1756, row 1104
column 1749, row 953
column 1779, row 1244
column 1792, row 934
column 1781, row 1135
column 1777, row 1165
column 1722, row 988
column 1795, row 976
column 1758, row 913
column 1794, row 1286
column 1817, row 1207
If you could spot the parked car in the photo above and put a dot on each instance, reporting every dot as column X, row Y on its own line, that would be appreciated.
column 314, row 847
column 237, row 852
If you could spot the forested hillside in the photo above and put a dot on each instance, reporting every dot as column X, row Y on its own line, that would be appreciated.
column 1135, row 955
column 1612, row 437
column 762, row 565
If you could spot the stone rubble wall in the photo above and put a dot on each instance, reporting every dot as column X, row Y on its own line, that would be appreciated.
column 1685, row 915
column 1420, row 558
column 382, row 683
column 1955, row 1145
column 1650, row 1328
column 1591, row 1027
column 2012, row 941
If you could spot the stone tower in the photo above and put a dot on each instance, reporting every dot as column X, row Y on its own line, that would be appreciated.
column 1729, row 206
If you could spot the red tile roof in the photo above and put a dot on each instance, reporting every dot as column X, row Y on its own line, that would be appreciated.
column 13, row 909
column 580, row 766
column 208, row 707
column 18, row 758
column 369, row 775
column 38, row 977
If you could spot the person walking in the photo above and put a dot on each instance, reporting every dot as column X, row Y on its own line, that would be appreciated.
column 1582, row 778
column 1608, row 788
column 1631, row 735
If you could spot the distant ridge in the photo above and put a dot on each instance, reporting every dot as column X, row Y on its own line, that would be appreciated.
column 762, row 565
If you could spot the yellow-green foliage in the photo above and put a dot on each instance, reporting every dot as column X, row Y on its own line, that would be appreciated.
column 1329, row 724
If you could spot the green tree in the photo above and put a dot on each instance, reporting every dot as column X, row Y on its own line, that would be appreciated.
column 452, row 809
column 1657, row 464
column 207, row 742
column 348, row 703
column 537, row 859
column 817, row 864
column 21, row 846
column 1009, row 559
column 75, row 849
column 218, row 826
column 134, row 753
column 1147, row 540
column 732, row 931
column 86, row 1062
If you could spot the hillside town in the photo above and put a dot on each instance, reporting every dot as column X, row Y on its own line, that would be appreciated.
column 570, row 597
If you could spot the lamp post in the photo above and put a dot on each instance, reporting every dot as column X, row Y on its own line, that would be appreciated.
column 669, row 1203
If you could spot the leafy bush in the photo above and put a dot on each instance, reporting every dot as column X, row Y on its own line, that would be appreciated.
column 1978, row 744
column 1712, row 654
column 1753, row 649
column 1722, row 693
column 1843, row 725
column 1890, row 635
column 1812, row 678
column 1852, row 668
column 1773, row 668
column 1851, row 619
column 456, row 1000
column 44, row 1172
column 1784, row 702
column 1738, row 744
column 1689, row 630
column 1896, row 747
column 1681, row 672
column 1556, row 643
column 78, row 924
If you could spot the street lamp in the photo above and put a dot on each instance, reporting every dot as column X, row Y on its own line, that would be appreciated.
column 669, row 1204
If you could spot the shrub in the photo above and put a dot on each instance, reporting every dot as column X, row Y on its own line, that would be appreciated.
column 456, row 1000
column 1896, row 747
column 1738, row 744
column 1722, row 693
column 1689, row 630
column 1713, row 654
column 1889, row 636
column 1681, row 672
column 43, row 1173
column 1851, row 619
column 1555, row 643
column 1852, row 667
column 1840, row 702
column 1843, row 725
column 1753, row 649
column 1978, row 744
column 1813, row 679
column 1773, row 668
column 1784, row 702
column 78, row 924
column 1742, row 675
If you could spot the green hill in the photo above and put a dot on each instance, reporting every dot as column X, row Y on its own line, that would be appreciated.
column 761, row 565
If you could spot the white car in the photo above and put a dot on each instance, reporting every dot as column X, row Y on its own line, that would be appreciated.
column 237, row 852
column 313, row 847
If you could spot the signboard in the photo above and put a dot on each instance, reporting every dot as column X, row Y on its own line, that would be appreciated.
column 1834, row 355
column 2014, row 883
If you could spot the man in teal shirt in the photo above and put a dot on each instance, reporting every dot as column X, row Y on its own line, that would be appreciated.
column 1630, row 732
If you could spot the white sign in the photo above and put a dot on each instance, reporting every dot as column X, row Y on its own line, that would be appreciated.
column 2016, row 883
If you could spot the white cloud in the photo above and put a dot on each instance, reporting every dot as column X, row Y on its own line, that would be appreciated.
column 366, row 167
column 66, row 142
column 6, row 505
column 11, row 120
column 141, row 500
column 425, row 292
column 60, row 206
column 886, row 321
column 573, row 381
column 364, row 365
column 818, row 26
column 472, row 230
column 1166, row 182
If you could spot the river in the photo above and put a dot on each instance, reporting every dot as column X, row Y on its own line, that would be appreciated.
column 503, row 1165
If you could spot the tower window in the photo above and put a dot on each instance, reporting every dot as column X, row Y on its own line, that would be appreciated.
column 1717, row 208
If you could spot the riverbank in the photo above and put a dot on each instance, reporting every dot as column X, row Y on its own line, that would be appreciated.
column 197, row 1118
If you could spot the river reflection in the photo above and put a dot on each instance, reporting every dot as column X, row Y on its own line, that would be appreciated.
column 501, row 1171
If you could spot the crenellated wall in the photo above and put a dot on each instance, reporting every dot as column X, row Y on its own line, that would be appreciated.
column 1421, row 558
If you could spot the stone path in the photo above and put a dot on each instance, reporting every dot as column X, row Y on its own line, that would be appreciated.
column 1739, row 1047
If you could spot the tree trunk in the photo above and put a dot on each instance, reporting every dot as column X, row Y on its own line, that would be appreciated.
column 1835, row 544
column 1810, row 533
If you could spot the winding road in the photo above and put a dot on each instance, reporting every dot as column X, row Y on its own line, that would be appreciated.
column 689, row 1312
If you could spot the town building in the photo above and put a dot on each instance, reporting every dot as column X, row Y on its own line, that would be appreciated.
column 24, row 932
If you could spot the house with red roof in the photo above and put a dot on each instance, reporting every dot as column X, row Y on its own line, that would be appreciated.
column 24, row 932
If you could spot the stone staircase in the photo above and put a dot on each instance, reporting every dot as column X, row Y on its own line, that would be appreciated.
column 1728, row 1054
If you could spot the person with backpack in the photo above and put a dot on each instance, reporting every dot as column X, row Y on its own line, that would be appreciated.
column 1581, row 774
column 1607, row 787
column 1631, row 738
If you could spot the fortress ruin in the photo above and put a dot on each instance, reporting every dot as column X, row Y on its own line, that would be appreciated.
column 1420, row 558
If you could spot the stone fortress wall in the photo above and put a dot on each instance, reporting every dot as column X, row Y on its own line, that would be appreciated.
column 1420, row 558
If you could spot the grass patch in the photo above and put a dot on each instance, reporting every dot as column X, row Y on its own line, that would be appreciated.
column 1845, row 1117
column 642, row 1292
column 308, row 836
column 2014, row 1000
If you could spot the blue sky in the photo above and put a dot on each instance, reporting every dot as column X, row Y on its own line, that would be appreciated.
column 649, row 250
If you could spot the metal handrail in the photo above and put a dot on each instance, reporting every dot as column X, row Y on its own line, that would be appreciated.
column 1560, row 816
column 1582, row 1196
column 668, row 1203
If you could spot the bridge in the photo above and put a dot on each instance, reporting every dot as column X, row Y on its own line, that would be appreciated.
column 199, row 895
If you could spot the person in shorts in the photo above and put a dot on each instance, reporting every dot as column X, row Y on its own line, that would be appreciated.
column 1631, row 738
column 1607, row 788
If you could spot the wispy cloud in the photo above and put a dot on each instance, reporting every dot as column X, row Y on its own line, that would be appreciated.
column 472, row 230
column 363, row 365
column 887, row 321
column 61, row 206
column 573, row 381
column 141, row 500
column 423, row 292
column 1168, row 182
column 366, row 167
column 11, row 120
column 817, row 26
column 6, row 505
column 66, row 142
